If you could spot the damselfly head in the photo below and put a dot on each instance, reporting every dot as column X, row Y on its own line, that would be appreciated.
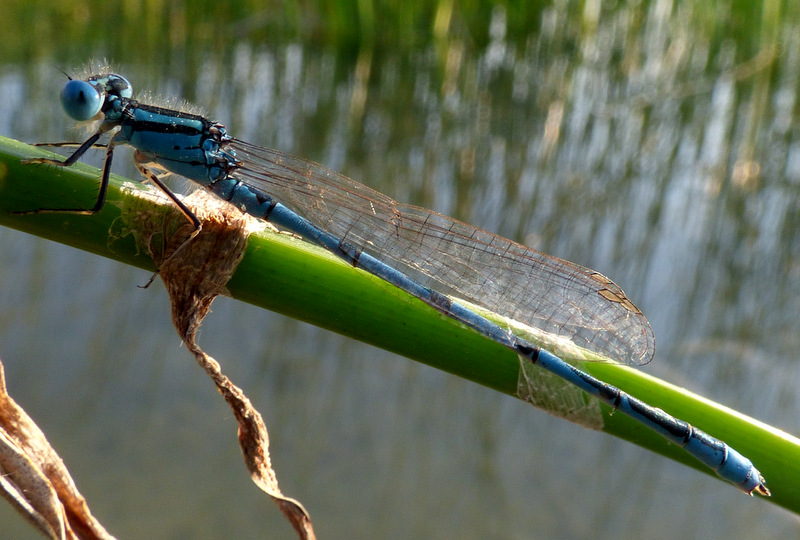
column 83, row 100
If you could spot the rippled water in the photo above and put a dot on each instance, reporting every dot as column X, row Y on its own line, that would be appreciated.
column 633, row 141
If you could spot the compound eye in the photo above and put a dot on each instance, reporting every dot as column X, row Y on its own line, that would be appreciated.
column 81, row 100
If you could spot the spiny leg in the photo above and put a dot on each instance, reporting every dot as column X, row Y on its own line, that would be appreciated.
column 75, row 156
column 141, row 165
column 60, row 144
column 70, row 160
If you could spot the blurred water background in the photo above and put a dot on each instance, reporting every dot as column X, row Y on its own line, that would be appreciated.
column 655, row 141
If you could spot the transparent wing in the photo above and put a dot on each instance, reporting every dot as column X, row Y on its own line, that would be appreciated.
column 454, row 258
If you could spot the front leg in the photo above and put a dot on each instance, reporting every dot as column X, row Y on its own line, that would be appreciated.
column 61, row 144
column 76, row 155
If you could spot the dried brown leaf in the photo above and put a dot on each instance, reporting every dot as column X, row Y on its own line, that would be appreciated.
column 34, row 479
column 194, row 277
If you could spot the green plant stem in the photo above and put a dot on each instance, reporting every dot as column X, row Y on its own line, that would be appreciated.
column 290, row 276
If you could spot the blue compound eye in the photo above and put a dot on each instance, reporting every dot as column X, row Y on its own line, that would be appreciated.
column 81, row 100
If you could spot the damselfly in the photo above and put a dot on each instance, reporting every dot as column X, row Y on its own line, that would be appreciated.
column 456, row 268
